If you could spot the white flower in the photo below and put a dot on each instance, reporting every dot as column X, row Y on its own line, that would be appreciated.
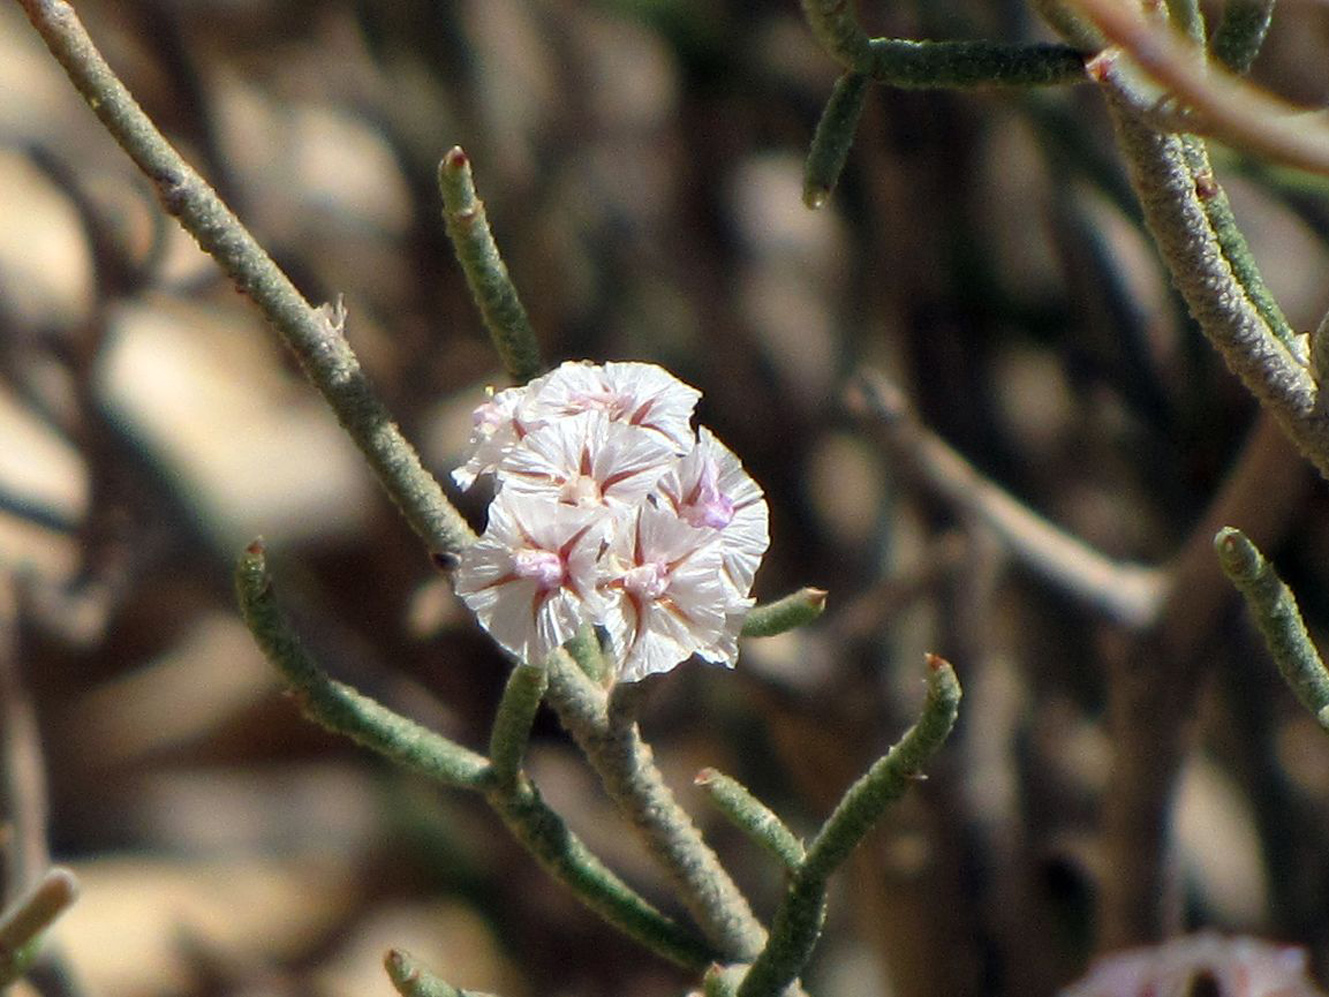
column 532, row 579
column 709, row 488
column 667, row 600
column 586, row 460
column 610, row 511
column 494, row 431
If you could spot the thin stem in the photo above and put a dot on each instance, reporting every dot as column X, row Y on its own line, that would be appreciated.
column 337, row 706
column 798, row 922
column 512, row 725
column 623, row 761
column 314, row 335
column 833, row 139
column 411, row 979
column 1274, row 609
column 797, row 609
column 22, row 924
column 541, row 831
column 486, row 273
column 758, row 821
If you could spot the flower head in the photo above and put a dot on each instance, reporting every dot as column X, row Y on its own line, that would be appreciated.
column 610, row 511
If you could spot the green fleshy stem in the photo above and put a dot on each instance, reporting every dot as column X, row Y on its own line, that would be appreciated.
column 751, row 816
column 335, row 705
column 540, row 830
column 1273, row 607
column 798, row 922
column 512, row 724
column 411, row 979
column 794, row 610
column 833, row 139
column 486, row 273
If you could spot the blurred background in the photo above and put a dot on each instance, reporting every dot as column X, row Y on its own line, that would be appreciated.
column 641, row 163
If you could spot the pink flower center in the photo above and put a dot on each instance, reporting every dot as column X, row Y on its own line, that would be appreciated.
column 543, row 567
column 647, row 581
column 582, row 491
column 707, row 506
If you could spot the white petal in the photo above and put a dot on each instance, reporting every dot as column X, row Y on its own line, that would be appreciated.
column 525, row 618
column 494, row 432
column 688, row 614
column 746, row 537
column 659, row 400
column 639, row 394
column 587, row 460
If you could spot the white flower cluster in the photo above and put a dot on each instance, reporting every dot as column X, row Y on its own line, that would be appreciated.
column 610, row 510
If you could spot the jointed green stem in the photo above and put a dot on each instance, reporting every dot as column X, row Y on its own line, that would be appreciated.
column 491, row 287
column 615, row 750
column 798, row 922
column 1274, row 609
column 342, row 709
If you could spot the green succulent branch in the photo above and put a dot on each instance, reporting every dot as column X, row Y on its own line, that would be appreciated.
column 540, row 830
column 314, row 335
column 512, row 724
column 751, row 816
column 491, row 287
column 410, row 979
column 23, row 924
column 1232, row 241
column 613, row 745
column 797, row 609
column 899, row 62
column 1273, row 607
column 833, row 138
column 903, row 63
column 1237, row 40
column 1172, row 183
column 799, row 920
column 337, row 706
